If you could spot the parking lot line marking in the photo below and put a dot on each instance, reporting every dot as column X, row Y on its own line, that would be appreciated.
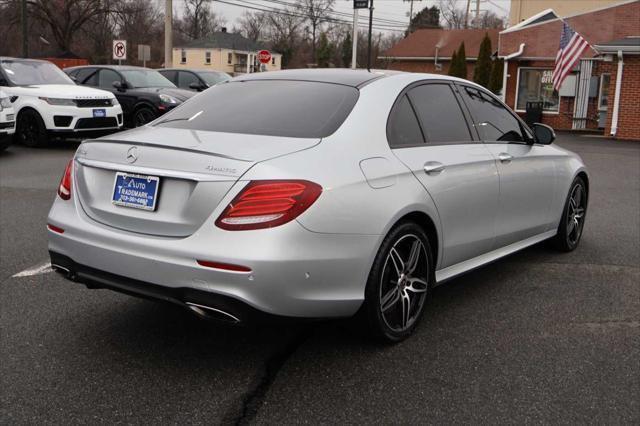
column 43, row 268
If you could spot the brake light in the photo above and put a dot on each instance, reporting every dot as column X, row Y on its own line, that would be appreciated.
column 268, row 203
column 64, row 189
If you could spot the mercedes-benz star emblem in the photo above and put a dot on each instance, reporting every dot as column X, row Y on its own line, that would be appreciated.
column 132, row 154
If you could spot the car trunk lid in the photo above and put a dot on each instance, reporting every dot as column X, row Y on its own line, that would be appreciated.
column 195, row 169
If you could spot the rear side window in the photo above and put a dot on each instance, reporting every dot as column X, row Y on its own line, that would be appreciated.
column 403, row 129
column 440, row 114
column 493, row 120
column 298, row 109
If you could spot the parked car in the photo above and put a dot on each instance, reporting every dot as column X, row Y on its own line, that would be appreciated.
column 192, row 79
column 47, row 102
column 7, row 120
column 354, row 194
column 143, row 93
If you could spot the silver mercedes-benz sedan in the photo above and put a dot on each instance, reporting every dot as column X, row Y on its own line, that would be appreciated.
column 314, row 194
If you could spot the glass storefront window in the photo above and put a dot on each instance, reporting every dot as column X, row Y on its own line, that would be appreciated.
column 535, row 85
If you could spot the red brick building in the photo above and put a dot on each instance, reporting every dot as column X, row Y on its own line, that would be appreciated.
column 603, row 90
column 430, row 50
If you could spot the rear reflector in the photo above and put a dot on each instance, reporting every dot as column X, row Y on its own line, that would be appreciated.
column 55, row 228
column 268, row 203
column 223, row 266
column 64, row 189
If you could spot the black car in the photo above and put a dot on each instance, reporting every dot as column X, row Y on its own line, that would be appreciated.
column 196, row 80
column 143, row 93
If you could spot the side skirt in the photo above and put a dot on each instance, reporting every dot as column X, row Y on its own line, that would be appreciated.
column 468, row 265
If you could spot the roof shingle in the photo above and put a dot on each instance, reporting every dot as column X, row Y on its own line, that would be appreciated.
column 422, row 43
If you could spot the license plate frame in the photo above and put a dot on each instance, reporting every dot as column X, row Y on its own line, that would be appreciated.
column 140, row 196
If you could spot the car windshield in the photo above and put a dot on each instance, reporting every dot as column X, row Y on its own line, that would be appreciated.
column 146, row 78
column 297, row 109
column 213, row 78
column 29, row 73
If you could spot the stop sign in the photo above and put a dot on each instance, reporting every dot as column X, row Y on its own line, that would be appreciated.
column 264, row 56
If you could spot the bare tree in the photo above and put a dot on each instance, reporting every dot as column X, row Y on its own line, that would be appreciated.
column 252, row 25
column 316, row 12
column 489, row 20
column 65, row 18
column 282, row 30
column 452, row 15
column 199, row 20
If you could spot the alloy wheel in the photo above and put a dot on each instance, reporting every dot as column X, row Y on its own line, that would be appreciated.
column 143, row 116
column 403, row 286
column 575, row 216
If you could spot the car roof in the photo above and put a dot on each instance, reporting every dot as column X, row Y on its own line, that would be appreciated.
column 347, row 77
column 9, row 58
column 116, row 67
column 190, row 69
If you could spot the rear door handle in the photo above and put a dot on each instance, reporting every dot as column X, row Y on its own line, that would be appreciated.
column 433, row 167
column 504, row 157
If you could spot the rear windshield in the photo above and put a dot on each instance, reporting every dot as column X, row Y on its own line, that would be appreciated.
column 299, row 109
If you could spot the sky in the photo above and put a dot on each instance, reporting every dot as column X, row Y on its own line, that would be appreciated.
column 390, row 10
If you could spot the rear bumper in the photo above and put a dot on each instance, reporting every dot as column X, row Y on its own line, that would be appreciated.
column 294, row 272
column 204, row 304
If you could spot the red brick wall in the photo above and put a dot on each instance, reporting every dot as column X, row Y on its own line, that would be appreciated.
column 629, row 112
column 596, row 27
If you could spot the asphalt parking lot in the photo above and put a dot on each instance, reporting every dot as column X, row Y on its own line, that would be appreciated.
column 537, row 337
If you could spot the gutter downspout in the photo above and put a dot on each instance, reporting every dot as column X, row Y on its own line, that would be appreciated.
column 503, row 95
column 435, row 60
column 616, row 99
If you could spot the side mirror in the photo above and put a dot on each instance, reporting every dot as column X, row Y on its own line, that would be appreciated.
column 197, row 86
column 544, row 134
column 121, row 86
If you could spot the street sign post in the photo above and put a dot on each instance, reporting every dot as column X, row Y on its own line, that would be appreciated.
column 264, row 56
column 144, row 53
column 120, row 50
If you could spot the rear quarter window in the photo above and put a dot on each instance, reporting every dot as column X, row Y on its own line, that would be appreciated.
column 300, row 109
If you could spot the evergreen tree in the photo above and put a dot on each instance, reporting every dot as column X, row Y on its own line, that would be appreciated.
column 482, row 70
column 324, row 52
column 453, row 67
column 462, row 62
column 347, row 50
column 426, row 18
column 495, row 80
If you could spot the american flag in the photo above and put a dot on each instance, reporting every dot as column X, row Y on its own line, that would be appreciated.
column 571, row 47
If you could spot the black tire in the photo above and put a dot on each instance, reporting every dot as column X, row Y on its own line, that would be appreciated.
column 31, row 130
column 142, row 116
column 392, row 287
column 5, row 141
column 573, row 217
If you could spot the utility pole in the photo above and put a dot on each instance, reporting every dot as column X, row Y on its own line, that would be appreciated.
column 168, row 34
column 466, row 15
column 25, row 37
column 354, row 50
column 370, row 30
column 477, row 12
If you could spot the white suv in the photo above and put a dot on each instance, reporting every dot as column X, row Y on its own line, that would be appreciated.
column 47, row 102
column 7, row 120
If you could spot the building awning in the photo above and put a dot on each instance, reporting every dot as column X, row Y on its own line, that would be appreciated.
column 627, row 45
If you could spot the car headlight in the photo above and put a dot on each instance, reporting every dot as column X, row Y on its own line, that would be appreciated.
column 5, row 103
column 59, row 101
column 114, row 102
column 168, row 99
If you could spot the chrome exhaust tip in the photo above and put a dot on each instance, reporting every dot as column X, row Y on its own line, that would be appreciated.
column 212, row 313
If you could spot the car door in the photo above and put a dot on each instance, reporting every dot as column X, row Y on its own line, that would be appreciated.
column 527, row 172
column 428, row 132
column 106, row 78
column 186, row 78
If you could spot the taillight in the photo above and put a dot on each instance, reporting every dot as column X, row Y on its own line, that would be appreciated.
column 64, row 189
column 268, row 203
